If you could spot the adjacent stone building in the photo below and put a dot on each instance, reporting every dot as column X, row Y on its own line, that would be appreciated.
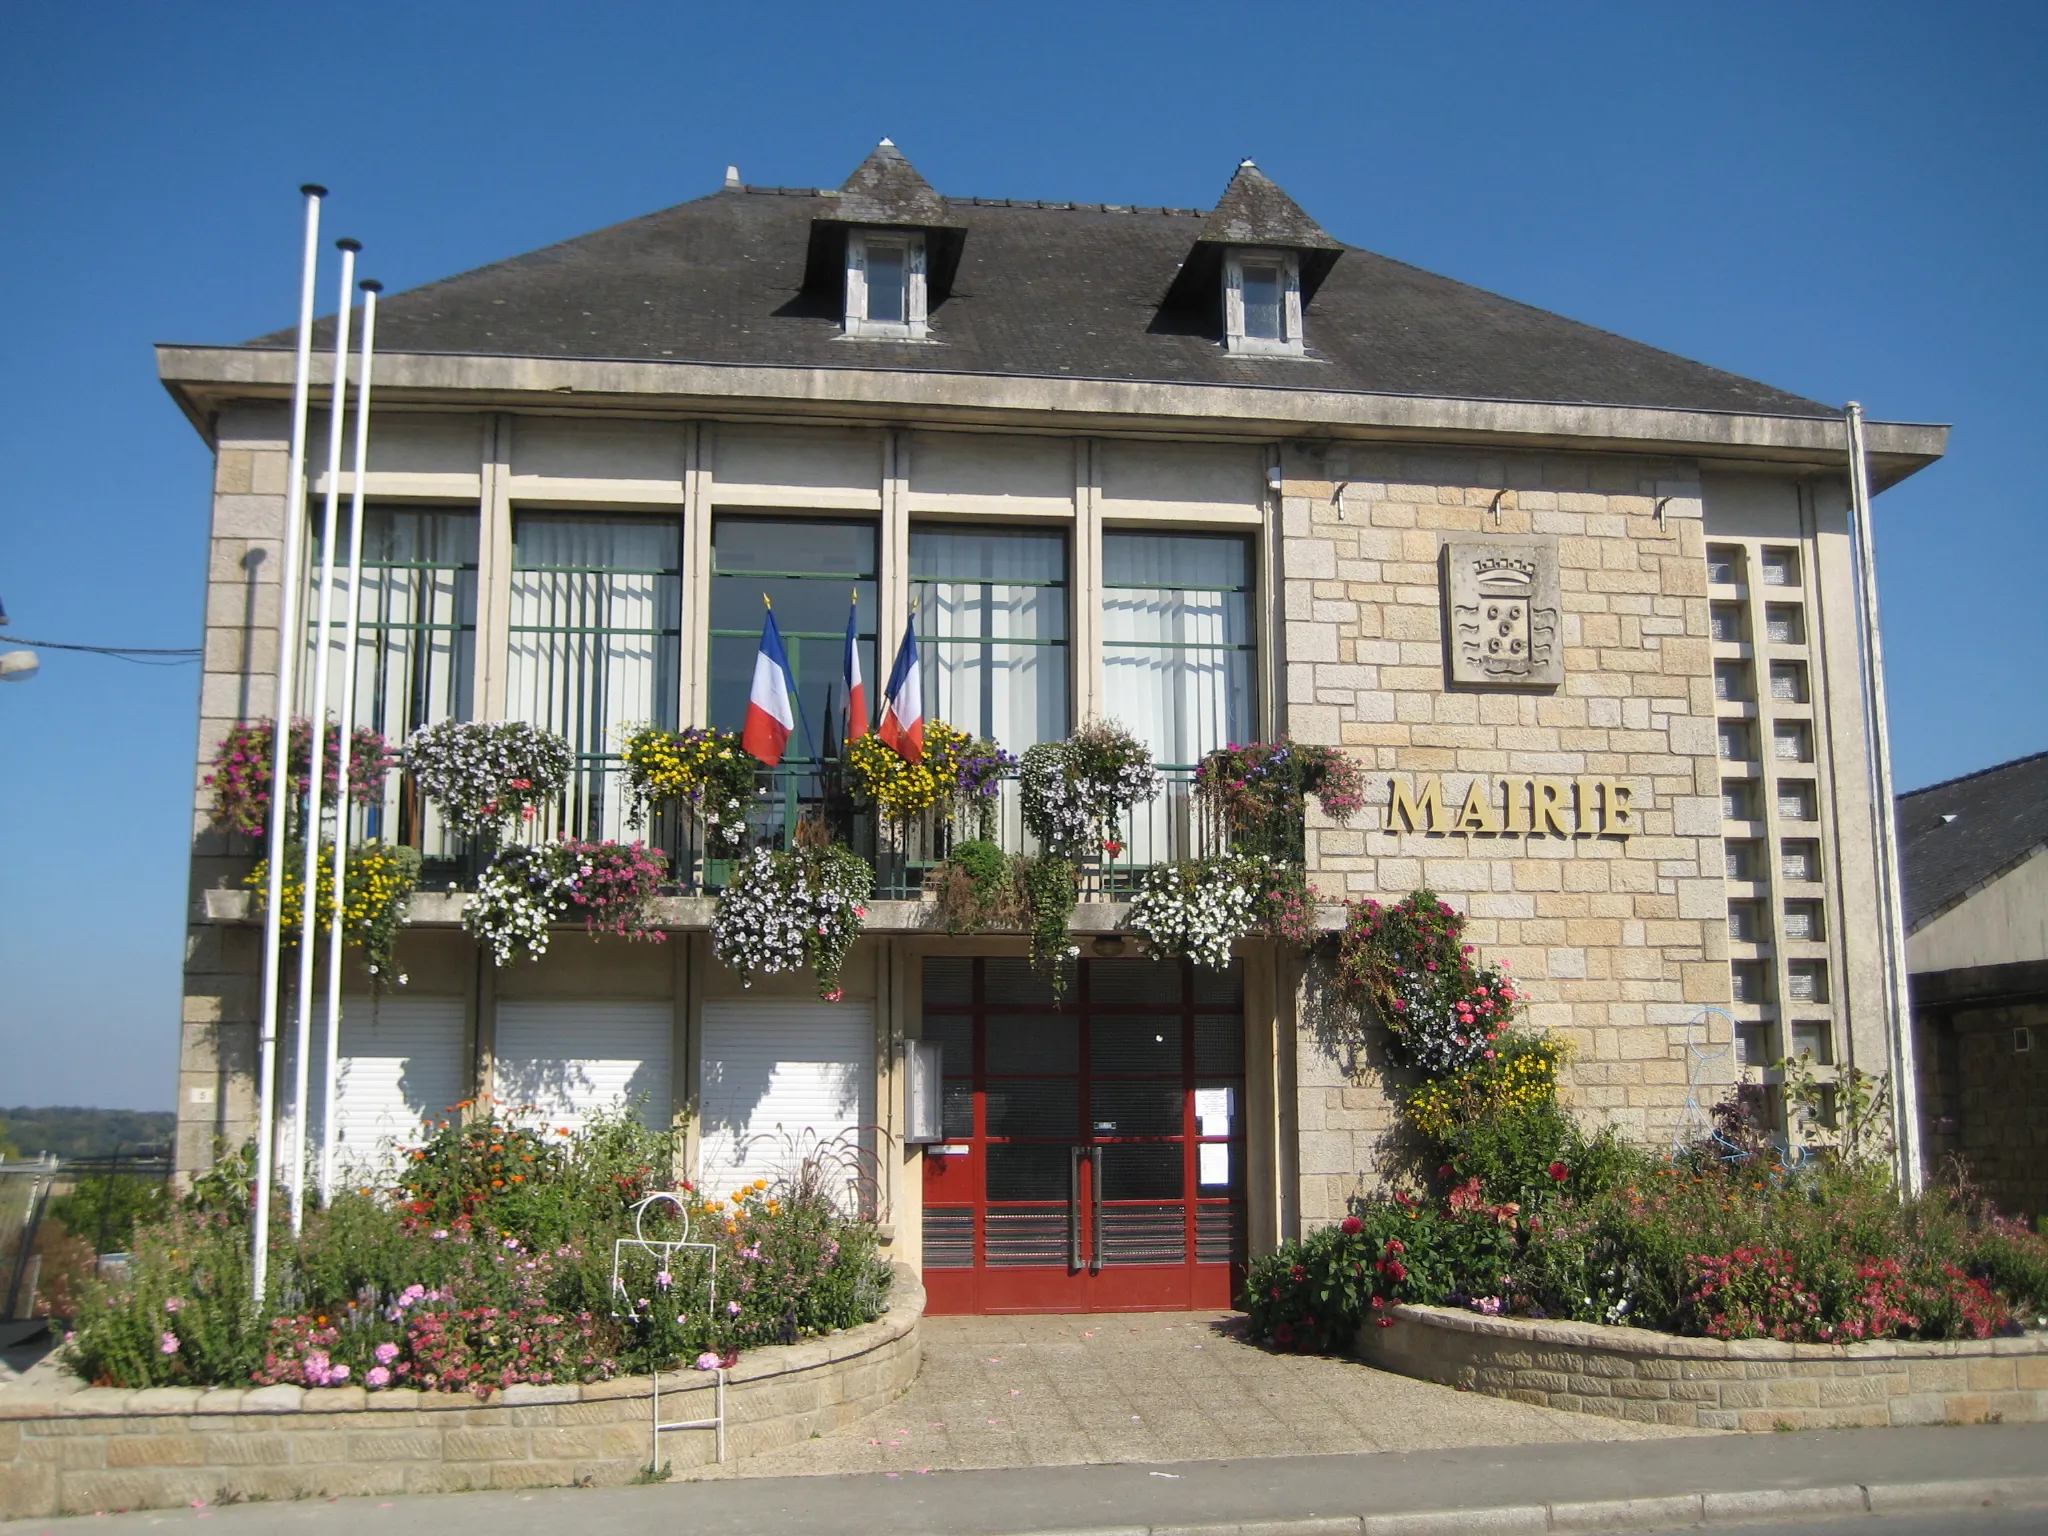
column 1975, row 856
column 1581, row 607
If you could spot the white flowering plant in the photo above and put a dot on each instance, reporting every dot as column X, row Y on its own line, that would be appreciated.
column 1202, row 907
column 1075, row 792
column 482, row 773
column 525, row 890
column 784, row 911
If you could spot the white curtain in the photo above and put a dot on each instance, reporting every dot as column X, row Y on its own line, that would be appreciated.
column 595, row 645
column 1175, row 623
column 415, row 637
column 992, row 609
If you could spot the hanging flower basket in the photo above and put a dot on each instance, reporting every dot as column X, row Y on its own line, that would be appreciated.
column 482, row 774
column 784, row 911
column 1202, row 907
column 526, row 890
column 1076, row 792
column 380, row 882
column 240, row 779
column 707, row 773
column 1408, row 964
column 1258, row 790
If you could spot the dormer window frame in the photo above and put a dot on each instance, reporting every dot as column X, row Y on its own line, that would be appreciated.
column 1235, row 338
column 915, row 324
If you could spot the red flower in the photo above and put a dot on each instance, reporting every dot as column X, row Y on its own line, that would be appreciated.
column 1560, row 1172
column 1351, row 1226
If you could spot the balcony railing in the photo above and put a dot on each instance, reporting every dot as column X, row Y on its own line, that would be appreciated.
column 809, row 801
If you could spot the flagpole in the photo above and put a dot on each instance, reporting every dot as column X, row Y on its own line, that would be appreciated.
column 331, row 1065
column 280, row 759
column 316, row 750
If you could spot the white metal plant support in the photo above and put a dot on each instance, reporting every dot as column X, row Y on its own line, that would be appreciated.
column 661, row 1253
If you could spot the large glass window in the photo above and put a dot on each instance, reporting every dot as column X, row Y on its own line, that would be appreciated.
column 992, row 620
column 810, row 570
column 415, row 661
column 1177, row 647
column 597, row 607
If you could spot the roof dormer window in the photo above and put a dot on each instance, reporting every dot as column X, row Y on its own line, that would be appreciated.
column 885, row 285
column 1262, row 303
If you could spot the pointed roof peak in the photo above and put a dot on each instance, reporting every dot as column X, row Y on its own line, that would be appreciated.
column 1254, row 211
column 886, row 188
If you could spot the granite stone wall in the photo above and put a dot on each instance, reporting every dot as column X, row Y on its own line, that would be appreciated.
column 1621, row 943
column 1747, row 1384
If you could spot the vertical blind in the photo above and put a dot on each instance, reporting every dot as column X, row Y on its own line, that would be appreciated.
column 992, row 618
column 596, row 635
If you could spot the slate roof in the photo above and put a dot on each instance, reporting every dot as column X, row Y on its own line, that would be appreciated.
column 1041, row 289
column 2000, row 819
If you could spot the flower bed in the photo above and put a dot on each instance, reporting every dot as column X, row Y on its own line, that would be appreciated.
column 487, row 1266
column 1513, row 1210
column 66, row 1448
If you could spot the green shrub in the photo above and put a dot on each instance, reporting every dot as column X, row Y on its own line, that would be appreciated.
column 104, row 1207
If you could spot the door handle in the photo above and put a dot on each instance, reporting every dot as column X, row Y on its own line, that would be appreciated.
column 1095, row 1206
column 1073, row 1209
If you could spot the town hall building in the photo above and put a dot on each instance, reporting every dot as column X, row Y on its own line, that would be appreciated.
column 1583, row 610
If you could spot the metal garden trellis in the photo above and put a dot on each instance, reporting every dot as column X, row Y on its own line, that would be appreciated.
column 661, row 1253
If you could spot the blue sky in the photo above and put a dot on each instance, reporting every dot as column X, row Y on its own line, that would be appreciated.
column 1845, row 200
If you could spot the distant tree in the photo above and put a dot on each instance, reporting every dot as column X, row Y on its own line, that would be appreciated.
column 7, row 1147
column 73, row 1131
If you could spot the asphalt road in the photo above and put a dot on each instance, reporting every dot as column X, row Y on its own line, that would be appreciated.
column 1992, row 1522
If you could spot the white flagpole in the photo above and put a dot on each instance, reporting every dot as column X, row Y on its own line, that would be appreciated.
column 316, row 750
column 280, row 759
column 328, row 1131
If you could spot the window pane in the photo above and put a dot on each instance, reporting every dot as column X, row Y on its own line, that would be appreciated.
column 885, row 283
column 1262, row 313
column 992, row 619
column 1177, row 645
column 810, row 570
column 415, row 638
column 596, row 644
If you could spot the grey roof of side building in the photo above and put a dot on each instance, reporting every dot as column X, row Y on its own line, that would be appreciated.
column 2000, row 820
column 1042, row 290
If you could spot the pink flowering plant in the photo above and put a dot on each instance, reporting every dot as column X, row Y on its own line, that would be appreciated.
column 240, row 777
column 1408, row 966
column 1258, row 791
column 527, row 889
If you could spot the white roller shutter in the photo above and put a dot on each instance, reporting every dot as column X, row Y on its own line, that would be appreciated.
column 568, row 1059
column 779, row 1080
column 404, row 1063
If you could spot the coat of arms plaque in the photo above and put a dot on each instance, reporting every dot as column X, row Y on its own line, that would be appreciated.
column 1501, row 601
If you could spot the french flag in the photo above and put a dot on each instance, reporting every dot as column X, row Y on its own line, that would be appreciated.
column 771, row 714
column 856, row 689
column 902, row 724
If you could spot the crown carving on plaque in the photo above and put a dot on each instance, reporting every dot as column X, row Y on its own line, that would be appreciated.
column 1504, row 576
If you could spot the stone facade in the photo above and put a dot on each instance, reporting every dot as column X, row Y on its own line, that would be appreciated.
column 81, row 1450
column 1746, row 1384
column 1621, row 942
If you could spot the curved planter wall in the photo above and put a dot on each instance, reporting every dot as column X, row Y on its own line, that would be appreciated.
column 77, row 1450
column 1658, row 1378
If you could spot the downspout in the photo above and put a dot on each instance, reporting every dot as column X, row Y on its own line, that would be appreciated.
column 1884, row 814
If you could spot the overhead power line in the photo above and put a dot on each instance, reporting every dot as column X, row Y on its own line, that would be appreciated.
column 145, row 656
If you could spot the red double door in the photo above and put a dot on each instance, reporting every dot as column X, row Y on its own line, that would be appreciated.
column 1094, row 1151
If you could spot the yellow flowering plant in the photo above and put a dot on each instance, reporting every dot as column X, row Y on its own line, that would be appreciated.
column 381, row 879
column 707, row 772
column 902, row 790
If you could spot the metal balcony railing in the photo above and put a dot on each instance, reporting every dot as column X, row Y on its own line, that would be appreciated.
column 810, row 802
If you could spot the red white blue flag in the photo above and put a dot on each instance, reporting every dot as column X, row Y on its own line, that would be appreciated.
column 856, row 689
column 902, row 724
column 771, row 713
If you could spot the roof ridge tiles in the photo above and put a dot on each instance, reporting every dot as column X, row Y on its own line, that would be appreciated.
column 1964, row 778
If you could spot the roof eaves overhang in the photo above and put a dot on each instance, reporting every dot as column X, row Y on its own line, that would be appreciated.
column 204, row 379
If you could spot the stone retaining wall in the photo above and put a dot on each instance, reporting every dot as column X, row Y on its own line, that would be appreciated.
column 1757, row 1384
column 77, row 1450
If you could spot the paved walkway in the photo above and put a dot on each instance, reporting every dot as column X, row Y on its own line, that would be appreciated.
column 1154, row 1387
